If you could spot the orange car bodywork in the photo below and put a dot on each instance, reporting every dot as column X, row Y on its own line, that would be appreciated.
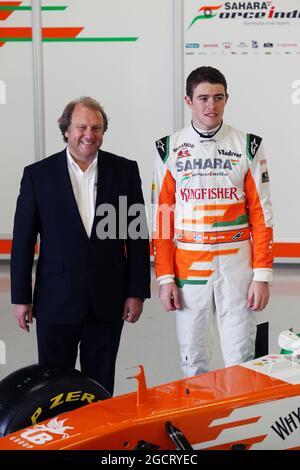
column 256, row 404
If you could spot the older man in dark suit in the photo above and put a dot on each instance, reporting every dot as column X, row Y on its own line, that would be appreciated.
column 93, row 271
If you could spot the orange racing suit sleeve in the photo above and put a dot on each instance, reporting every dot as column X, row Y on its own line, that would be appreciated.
column 259, row 209
column 163, row 206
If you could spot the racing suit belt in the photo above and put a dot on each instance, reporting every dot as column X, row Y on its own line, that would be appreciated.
column 211, row 238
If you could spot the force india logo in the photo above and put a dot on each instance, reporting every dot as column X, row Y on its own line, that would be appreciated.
column 244, row 10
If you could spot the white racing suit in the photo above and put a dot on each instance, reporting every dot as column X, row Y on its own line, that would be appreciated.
column 212, row 233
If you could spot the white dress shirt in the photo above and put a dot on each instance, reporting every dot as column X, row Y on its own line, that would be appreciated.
column 84, row 184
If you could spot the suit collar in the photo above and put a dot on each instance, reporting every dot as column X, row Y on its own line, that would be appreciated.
column 105, row 175
column 64, row 183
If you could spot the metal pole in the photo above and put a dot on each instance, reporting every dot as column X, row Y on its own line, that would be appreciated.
column 178, row 114
column 38, row 82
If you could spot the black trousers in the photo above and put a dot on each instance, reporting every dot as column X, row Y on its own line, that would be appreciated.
column 98, row 343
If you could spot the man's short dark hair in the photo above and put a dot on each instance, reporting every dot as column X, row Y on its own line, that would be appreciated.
column 204, row 74
column 64, row 121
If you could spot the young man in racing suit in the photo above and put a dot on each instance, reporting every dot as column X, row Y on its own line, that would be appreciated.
column 212, row 227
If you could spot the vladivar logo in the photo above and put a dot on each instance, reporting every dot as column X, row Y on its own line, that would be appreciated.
column 2, row 92
column 2, row 352
column 49, row 34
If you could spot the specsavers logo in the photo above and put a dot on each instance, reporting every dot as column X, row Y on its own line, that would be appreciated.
column 243, row 10
column 49, row 34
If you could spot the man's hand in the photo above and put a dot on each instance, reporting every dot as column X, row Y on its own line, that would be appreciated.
column 23, row 315
column 258, row 295
column 169, row 296
column 132, row 310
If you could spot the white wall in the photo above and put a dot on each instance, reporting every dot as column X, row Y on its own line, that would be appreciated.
column 16, row 118
column 132, row 80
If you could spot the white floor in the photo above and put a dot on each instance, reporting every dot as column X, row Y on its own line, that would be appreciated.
column 152, row 341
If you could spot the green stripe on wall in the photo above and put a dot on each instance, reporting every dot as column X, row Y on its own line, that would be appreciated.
column 129, row 39
column 12, row 8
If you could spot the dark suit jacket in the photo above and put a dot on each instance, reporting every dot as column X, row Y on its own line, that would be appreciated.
column 73, row 269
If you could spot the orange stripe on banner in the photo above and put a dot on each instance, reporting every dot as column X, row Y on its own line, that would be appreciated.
column 286, row 250
column 25, row 32
column 61, row 32
column 5, row 247
column 20, row 32
column 4, row 14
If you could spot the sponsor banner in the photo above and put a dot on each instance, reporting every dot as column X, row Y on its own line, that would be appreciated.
column 263, row 27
